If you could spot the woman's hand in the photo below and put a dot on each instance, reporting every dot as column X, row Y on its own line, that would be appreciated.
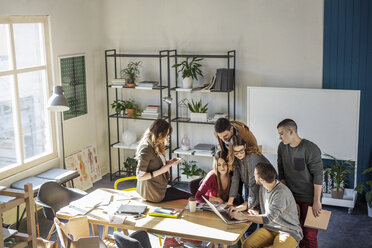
column 172, row 162
column 237, row 215
column 215, row 199
column 253, row 212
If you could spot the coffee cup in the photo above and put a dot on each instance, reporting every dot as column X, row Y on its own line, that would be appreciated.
column 192, row 204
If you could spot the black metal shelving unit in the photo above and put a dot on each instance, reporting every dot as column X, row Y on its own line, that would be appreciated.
column 230, row 57
column 114, row 56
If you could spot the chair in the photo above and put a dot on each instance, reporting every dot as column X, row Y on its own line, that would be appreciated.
column 138, row 239
column 52, row 197
column 75, row 234
column 123, row 180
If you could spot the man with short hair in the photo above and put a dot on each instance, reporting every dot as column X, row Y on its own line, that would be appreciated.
column 225, row 129
column 301, row 169
column 281, row 226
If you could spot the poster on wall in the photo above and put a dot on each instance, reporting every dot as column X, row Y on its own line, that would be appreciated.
column 73, row 81
column 76, row 162
column 91, row 161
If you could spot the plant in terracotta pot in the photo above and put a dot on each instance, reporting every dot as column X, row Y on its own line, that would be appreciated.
column 339, row 171
column 363, row 187
column 131, row 73
column 190, row 70
column 132, row 108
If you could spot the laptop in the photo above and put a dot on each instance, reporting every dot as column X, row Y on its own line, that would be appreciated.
column 223, row 215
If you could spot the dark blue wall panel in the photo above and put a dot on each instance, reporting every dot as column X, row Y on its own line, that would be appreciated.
column 347, row 62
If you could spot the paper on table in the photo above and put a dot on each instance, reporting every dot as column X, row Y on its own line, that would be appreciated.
column 126, row 195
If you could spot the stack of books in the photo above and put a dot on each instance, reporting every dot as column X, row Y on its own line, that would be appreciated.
column 151, row 112
column 217, row 116
column 166, row 212
column 118, row 83
column 146, row 85
column 204, row 150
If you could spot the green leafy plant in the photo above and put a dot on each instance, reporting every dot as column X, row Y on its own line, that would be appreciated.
column 130, row 166
column 189, row 168
column 197, row 106
column 339, row 171
column 362, row 187
column 131, row 72
column 190, row 68
column 121, row 105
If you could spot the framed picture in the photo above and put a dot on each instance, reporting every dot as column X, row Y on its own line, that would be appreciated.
column 73, row 81
column 77, row 162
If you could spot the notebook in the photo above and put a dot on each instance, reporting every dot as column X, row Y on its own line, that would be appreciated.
column 223, row 215
column 131, row 209
column 320, row 222
column 166, row 212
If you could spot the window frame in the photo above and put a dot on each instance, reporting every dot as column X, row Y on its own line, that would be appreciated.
column 23, row 163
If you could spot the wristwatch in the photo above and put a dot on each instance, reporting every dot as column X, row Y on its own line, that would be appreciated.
column 152, row 174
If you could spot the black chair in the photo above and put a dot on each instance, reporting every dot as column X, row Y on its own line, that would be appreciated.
column 52, row 197
column 138, row 239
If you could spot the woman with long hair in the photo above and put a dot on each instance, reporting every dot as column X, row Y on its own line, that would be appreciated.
column 216, row 185
column 153, row 169
column 242, row 163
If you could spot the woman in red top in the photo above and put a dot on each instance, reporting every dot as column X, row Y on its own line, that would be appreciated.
column 216, row 185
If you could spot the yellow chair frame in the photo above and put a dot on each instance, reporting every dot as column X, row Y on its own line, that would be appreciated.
column 125, row 179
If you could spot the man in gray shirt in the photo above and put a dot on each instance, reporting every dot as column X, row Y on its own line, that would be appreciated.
column 281, row 225
column 301, row 169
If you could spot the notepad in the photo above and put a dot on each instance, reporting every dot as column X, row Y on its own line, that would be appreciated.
column 320, row 222
column 131, row 209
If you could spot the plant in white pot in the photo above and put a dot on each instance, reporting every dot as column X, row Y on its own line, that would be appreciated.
column 362, row 187
column 190, row 70
column 191, row 170
column 339, row 171
column 198, row 111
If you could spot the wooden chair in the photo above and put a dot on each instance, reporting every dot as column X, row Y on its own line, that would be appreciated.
column 75, row 234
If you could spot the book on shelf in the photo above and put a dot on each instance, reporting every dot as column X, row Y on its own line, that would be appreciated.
column 166, row 212
column 148, row 83
column 204, row 153
column 143, row 87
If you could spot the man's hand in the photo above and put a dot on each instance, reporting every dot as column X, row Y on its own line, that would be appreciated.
column 317, row 208
column 237, row 215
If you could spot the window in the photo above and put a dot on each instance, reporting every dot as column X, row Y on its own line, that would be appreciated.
column 25, row 125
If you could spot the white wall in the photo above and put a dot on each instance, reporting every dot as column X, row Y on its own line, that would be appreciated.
column 279, row 43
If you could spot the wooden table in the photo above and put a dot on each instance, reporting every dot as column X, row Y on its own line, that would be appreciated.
column 201, row 225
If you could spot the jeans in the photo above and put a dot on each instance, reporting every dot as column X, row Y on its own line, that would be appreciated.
column 263, row 238
column 310, row 239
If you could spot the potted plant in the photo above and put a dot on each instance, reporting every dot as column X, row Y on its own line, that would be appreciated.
column 191, row 170
column 131, row 73
column 362, row 187
column 130, row 166
column 190, row 70
column 339, row 172
column 198, row 111
column 132, row 108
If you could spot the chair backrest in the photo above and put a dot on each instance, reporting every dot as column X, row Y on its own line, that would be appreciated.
column 138, row 239
column 123, row 180
column 56, row 196
column 70, row 239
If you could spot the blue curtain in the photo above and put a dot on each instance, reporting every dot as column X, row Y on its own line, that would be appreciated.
column 347, row 62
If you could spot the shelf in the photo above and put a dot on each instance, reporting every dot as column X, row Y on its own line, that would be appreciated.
column 136, row 55
column 198, row 91
column 192, row 152
column 134, row 88
column 348, row 200
column 138, row 118
column 216, row 56
column 187, row 120
column 124, row 146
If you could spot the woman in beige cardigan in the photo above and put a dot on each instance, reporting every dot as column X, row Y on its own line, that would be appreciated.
column 153, row 169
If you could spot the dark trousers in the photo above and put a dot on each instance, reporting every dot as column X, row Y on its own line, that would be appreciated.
column 173, row 193
column 310, row 239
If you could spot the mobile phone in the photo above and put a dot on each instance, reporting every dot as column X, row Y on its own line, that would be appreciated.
column 139, row 216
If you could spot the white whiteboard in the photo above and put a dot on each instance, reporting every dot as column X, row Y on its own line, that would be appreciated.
column 329, row 118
